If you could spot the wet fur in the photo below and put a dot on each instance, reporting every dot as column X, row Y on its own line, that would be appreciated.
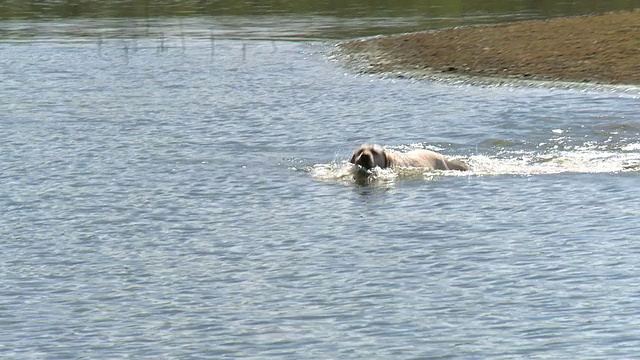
column 369, row 156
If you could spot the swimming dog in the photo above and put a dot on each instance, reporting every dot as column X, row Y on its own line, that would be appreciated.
column 368, row 156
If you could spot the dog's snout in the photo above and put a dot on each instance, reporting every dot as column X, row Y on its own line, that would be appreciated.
column 366, row 161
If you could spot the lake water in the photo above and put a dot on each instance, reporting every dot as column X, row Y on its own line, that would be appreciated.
column 184, row 193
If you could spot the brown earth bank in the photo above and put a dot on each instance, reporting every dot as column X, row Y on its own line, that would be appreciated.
column 603, row 48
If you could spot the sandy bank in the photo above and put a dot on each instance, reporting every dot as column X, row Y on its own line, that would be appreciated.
column 601, row 48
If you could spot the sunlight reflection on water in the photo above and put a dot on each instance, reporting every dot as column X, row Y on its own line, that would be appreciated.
column 164, row 202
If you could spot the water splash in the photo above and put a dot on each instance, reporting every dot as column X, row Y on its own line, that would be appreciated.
column 555, row 163
column 345, row 172
column 588, row 158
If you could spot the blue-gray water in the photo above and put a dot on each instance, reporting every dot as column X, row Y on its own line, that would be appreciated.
column 188, row 197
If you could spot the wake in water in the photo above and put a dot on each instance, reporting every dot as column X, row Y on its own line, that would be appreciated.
column 556, row 163
column 584, row 159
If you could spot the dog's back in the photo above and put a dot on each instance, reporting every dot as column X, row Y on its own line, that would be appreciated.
column 426, row 159
column 369, row 156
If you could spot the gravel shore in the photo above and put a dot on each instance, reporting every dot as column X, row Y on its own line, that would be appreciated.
column 603, row 48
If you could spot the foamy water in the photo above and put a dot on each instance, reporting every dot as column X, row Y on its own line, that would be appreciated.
column 589, row 158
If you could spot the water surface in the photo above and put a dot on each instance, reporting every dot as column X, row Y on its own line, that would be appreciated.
column 177, row 197
column 288, row 19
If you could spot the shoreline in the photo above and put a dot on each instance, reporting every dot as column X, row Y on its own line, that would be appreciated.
column 601, row 49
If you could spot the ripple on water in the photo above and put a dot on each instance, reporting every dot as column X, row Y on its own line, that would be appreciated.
column 150, row 210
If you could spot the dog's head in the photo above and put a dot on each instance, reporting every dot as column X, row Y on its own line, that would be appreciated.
column 369, row 156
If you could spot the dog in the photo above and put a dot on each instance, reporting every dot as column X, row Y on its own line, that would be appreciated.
column 368, row 156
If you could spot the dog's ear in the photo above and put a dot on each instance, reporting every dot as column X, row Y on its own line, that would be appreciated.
column 355, row 156
column 387, row 163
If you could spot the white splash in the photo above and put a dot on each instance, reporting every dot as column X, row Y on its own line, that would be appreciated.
column 580, row 160
column 585, row 159
column 631, row 147
column 345, row 172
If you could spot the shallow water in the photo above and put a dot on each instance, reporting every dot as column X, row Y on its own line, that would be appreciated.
column 174, row 198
